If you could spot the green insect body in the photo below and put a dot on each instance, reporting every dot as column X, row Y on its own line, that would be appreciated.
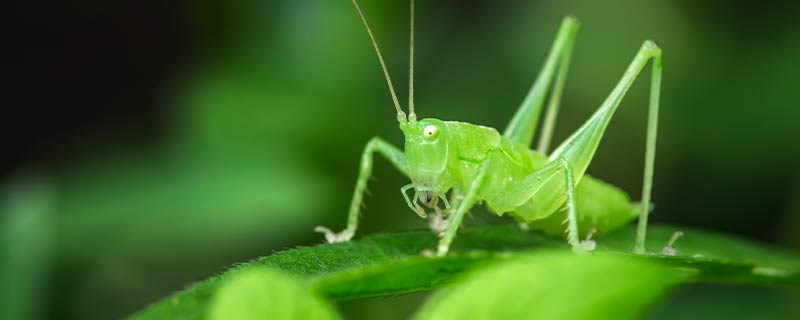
column 454, row 156
column 478, row 165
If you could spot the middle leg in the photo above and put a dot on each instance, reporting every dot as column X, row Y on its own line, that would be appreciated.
column 547, row 186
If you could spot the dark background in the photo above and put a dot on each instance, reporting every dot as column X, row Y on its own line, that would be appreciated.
column 150, row 144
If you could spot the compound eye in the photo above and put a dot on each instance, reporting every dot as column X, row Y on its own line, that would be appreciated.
column 431, row 132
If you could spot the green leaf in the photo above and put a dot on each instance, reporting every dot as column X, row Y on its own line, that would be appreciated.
column 408, row 275
column 716, row 257
column 27, row 210
column 267, row 294
column 556, row 285
column 390, row 264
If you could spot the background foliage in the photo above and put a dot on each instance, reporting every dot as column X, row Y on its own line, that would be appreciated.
column 151, row 143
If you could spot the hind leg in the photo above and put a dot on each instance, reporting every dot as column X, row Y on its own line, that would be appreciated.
column 523, row 125
column 580, row 147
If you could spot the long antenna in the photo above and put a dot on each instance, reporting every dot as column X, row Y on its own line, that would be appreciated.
column 411, row 115
column 401, row 116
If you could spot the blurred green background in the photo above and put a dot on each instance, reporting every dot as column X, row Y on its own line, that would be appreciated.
column 151, row 144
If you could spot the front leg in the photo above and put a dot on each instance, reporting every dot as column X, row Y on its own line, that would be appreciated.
column 395, row 156
column 463, row 206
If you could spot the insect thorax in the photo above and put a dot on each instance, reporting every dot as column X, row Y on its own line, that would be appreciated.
column 443, row 154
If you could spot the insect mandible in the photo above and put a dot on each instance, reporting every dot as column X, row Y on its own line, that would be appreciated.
column 548, row 191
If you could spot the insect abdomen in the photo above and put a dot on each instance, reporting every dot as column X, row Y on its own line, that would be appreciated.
column 599, row 205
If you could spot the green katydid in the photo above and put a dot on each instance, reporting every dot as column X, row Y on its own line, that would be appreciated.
column 478, row 164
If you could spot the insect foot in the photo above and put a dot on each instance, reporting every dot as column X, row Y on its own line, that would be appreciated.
column 333, row 237
column 586, row 245
column 668, row 250
column 438, row 224
column 442, row 249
